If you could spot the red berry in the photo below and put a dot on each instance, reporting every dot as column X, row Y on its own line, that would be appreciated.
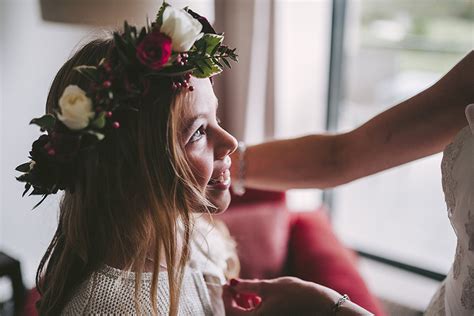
column 116, row 125
column 107, row 84
column 51, row 152
column 108, row 114
column 191, row 88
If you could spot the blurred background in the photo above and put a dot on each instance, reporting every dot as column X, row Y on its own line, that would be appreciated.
column 306, row 66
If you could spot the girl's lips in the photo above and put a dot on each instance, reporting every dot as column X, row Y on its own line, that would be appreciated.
column 220, row 183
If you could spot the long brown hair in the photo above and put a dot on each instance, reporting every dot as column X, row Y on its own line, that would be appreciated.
column 129, row 194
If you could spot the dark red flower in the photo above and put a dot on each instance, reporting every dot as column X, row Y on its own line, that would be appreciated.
column 155, row 50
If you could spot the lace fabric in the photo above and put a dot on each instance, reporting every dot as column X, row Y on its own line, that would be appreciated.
column 450, row 154
column 455, row 296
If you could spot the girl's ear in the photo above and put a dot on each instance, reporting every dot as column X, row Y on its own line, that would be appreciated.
column 470, row 116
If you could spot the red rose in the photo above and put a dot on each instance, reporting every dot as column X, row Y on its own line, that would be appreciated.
column 155, row 50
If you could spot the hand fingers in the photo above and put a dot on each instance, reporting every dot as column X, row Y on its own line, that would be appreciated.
column 247, row 286
column 231, row 306
column 246, row 300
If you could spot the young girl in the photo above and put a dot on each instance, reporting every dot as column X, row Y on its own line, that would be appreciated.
column 134, row 142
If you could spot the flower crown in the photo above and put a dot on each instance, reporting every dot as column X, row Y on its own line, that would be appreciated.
column 177, row 45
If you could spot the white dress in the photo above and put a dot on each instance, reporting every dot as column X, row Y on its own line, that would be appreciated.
column 456, row 294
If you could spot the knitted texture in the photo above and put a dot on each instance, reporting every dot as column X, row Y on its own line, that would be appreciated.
column 112, row 291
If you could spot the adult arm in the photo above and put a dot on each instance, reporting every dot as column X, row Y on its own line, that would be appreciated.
column 415, row 128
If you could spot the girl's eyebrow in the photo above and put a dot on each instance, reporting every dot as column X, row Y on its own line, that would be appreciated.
column 190, row 122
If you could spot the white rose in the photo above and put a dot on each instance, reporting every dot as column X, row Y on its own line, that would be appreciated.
column 183, row 29
column 76, row 108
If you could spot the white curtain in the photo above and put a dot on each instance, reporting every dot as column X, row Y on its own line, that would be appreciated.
column 247, row 91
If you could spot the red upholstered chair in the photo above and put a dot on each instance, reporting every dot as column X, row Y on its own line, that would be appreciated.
column 30, row 304
column 273, row 242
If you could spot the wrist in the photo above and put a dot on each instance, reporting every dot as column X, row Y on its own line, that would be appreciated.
column 238, row 183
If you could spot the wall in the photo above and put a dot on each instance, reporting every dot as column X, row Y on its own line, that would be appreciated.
column 31, row 53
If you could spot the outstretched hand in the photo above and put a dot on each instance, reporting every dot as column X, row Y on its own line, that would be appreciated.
column 283, row 296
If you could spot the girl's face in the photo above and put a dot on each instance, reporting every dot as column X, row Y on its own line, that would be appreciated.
column 208, row 145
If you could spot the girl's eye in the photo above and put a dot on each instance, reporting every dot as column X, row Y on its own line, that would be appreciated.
column 198, row 134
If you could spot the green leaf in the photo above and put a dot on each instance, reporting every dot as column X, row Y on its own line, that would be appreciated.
column 226, row 62
column 199, row 68
column 217, row 62
column 212, row 41
column 90, row 72
column 23, row 178
column 24, row 167
column 233, row 57
column 129, row 34
column 142, row 34
column 126, row 27
column 207, row 63
column 206, row 70
column 159, row 15
column 134, row 33
column 44, row 197
column 27, row 188
column 99, row 121
column 46, row 122
column 121, row 48
column 214, row 51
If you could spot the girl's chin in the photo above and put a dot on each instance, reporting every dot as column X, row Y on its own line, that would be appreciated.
column 220, row 199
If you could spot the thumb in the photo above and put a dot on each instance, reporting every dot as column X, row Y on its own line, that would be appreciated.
column 247, row 286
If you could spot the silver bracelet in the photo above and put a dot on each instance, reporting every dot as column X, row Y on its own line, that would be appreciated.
column 340, row 302
column 238, row 183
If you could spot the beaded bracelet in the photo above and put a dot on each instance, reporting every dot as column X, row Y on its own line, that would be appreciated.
column 340, row 302
column 238, row 184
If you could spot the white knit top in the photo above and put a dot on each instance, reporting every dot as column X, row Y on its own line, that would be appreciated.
column 111, row 291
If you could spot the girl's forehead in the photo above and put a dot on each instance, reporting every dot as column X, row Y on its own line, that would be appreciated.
column 202, row 99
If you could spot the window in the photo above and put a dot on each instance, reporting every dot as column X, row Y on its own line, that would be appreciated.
column 392, row 50
column 301, row 68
